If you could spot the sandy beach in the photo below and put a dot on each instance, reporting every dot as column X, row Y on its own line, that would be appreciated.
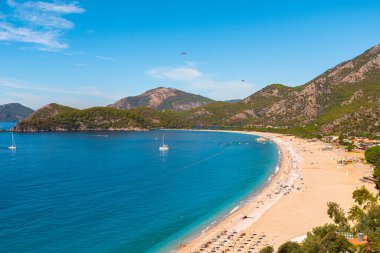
column 294, row 201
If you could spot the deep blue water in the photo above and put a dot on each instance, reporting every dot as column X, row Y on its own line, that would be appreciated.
column 79, row 192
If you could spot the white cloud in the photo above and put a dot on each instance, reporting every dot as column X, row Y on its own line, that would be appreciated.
column 83, row 90
column 81, row 64
column 36, row 101
column 45, row 20
column 11, row 3
column 30, row 94
column 26, row 98
column 222, row 90
column 191, row 64
column 73, row 53
column 105, row 58
column 175, row 74
column 197, row 82
column 59, row 8
column 37, row 22
column 46, row 39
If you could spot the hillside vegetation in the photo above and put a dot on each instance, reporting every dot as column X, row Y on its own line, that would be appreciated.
column 54, row 117
column 344, row 99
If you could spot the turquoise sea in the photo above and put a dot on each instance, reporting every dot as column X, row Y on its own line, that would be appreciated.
column 6, row 125
column 104, row 192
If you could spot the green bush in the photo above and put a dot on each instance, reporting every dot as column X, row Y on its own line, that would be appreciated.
column 290, row 247
column 325, row 239
column 376, row 176
column 267, row 249
column 350, row 147
column 372, row 155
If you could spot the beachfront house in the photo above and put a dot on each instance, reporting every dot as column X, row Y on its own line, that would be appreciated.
column 360, row 240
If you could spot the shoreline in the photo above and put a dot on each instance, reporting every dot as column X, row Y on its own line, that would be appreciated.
column 255, row 197
column 231, row 210
column 289, row 187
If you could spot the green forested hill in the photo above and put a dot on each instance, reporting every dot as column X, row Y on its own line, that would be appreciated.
column 345, row 98
column 54, row 117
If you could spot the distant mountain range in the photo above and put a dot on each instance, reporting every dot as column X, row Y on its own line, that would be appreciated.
column 232, row 101
column 345, row 98
column 163, row 99
column 14, row 112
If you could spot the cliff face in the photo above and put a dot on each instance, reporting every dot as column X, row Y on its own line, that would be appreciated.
column 362, row 69
column 162, row 99
column 14, row 112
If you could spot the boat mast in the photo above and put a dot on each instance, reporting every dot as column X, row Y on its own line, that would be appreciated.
column 13, row 141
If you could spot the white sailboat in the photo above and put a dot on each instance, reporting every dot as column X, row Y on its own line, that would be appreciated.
column 163, row 146
column 13, row 146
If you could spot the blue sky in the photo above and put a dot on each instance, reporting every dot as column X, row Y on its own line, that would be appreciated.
column 90, row 52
